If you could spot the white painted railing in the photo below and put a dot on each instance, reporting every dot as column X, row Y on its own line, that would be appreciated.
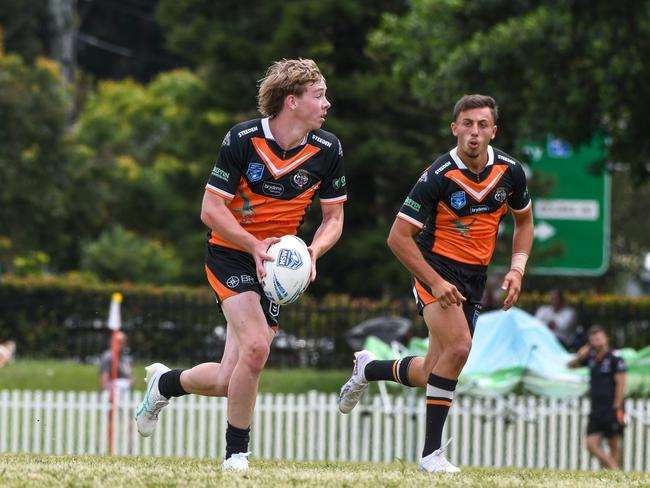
column 511, row 431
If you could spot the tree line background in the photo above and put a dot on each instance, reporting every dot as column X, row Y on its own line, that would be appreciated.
column 105, row 146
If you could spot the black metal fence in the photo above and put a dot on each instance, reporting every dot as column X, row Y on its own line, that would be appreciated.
column 179, row 329
column 187, row 327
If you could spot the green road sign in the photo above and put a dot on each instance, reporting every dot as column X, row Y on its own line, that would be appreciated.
column 571, row 208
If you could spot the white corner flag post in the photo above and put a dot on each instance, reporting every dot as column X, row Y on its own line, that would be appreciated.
column 115, row 324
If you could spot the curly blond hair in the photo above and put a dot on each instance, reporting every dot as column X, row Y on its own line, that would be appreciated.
column 283, row 78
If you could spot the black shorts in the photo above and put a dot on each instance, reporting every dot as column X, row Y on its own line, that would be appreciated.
column 231, row 272
column 604, row 422
column 469, row 279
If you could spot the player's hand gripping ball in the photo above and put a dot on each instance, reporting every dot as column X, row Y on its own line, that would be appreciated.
column 288, row 276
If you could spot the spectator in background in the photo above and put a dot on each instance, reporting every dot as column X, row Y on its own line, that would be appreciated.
column 7, row 351
column 607, row 391
column 560, row 318
column 124, row 366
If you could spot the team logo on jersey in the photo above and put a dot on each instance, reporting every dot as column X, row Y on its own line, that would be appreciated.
column 274, row 309
column 500, row 194
column 254, row 172
column 272, row 189
column 424, row 177
column 232, row 282
column 458, row 200
column 300, row 179
column 289, row 258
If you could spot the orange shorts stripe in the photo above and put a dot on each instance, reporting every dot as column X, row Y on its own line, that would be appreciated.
column 424, row 295
column 222, row 291
column 444, row 403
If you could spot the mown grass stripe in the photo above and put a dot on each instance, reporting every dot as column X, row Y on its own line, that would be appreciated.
column 19, row 470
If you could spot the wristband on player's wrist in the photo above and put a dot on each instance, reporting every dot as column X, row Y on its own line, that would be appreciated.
column 518, row 262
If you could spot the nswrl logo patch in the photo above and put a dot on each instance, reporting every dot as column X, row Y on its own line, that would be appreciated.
column 458, row 200
column 254, row 172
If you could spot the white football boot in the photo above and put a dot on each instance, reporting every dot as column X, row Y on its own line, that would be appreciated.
column 353, row 389
column 146, row 416
column 436, row 462
column 236, row 462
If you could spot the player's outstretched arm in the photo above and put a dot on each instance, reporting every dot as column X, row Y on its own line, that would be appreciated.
column 216, row 215
column 400, row 241
column 522, row 243
column 327, row 234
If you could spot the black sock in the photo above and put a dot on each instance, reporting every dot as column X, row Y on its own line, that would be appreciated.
column 169, row 384
column 440, row 392
column 390, row 370
column 236, row 440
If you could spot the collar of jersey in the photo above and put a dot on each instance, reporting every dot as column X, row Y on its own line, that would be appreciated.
column 276, row 165
column 269, row 135
column 459, row 162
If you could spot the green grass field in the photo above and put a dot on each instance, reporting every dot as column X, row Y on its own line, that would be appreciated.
column 94, row 471
column 72, row 376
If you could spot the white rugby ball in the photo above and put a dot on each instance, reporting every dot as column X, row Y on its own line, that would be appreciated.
column 288, row 275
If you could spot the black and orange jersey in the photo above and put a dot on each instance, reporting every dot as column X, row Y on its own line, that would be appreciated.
column 268, row 189
column 459, row 211
column 603, row 368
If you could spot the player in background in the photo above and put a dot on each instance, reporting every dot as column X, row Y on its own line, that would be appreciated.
column 607, row 393
column 124, row 380
column 266, row 175
column 445, row 234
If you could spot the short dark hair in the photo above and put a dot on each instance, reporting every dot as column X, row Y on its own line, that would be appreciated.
column 595, row 329
column 468, row 102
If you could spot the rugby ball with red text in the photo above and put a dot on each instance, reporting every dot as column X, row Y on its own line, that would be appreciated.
column 288, row 275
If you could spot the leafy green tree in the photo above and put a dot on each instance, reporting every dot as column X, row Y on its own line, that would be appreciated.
column 120, row 255
column 25, row 26
column 142, row 154
column 561, row 66
column 33, row 109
